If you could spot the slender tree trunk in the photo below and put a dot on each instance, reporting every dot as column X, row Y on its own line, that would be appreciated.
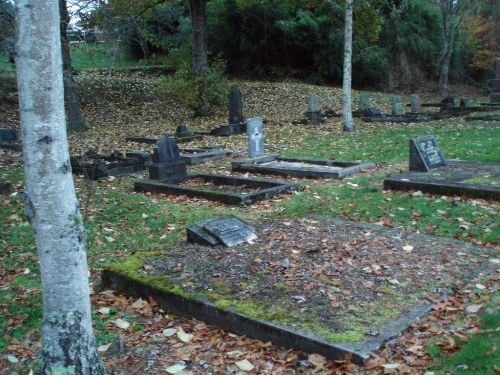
column 51, row 204
column 75, row 118
column 199, row 48
column 347, row 79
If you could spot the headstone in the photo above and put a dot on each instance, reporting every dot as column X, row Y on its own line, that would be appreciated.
column 372, row 112
column 416, row 103
column 495, row 84
column 235, row 100
column 425, row 154
column 464, row 102
column 448, row 102
column 364, row 101
column 228, row 231
column 397, row 106
column 255, row 131
column 8, row 135
column 313, row 113
column 166, row 159
column 182, row 131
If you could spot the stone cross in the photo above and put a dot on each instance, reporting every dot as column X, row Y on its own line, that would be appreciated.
column 416, row 104
column 255, row 130
column 235, row 100
column 364, row 101
column 397, row 106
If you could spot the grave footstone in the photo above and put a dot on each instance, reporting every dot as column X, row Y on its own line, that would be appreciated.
column 313, row 113
column 416, row 104
column 464, row 102
column 235, row 100
column 255, row 131
column 425, row 154
column 166, row 160
column 364, row 102
column 8, row 135
column 182, row 131
column 397, row 106
column 495, row 84
column 228, row 231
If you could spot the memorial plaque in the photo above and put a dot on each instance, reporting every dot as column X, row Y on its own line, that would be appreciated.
column 235, row 101
column 255, row 130
column 425, row 154
column 230, row 231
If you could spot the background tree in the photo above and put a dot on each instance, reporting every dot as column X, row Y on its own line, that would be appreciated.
column 68, row 345
column 346, row 85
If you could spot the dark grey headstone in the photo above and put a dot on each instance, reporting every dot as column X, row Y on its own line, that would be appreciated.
column 416, row 103
column 166, row 150
column 448, row 102
column 364, row 101
column 464, row 102
column 397, row 106
column 255, row 131
column 235, row 100
column 8, row 135
column 167, row 163
column 425, row 154
column 182, row 131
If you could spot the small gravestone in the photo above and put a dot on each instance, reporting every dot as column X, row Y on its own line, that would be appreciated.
column 364, row 102
column 425, row 154
column 448, row 102
column 235, row 100
column 464, row 102
column 416, row 104
column 182, row 131
column 313, row 113
column 255, row 130
column 166, row 159
column 8, row 135
column 397, row 106
column 228, row 231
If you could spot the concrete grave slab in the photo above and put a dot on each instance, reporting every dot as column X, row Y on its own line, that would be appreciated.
column 198, row 155
column 300, row 167
column 314, row 284
column 229, row 231
column 225, row 189
column 458, row 177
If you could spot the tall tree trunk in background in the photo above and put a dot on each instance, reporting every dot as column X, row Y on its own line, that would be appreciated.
column 68, row 345
column 347, row 79
column 199, row 48
column 75, row 118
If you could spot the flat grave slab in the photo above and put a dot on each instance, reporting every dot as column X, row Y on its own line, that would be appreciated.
column 300, row 167
column 202, row 155
column 457, row 177
column 225, row 189
column 152, row 141
column 314, row 284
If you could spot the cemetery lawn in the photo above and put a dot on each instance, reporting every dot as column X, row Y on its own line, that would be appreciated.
column 121, row 224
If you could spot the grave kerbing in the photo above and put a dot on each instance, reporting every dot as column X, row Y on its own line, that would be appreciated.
column 255, row 131
column 425, row 154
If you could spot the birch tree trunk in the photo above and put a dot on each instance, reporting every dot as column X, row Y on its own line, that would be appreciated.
column 347, row 78
column 199, row 49
column 68, row 345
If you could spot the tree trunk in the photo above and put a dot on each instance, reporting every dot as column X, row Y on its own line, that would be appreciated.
column 51, row 204
column 346, row 85
column 75, row 118
column 199, row 48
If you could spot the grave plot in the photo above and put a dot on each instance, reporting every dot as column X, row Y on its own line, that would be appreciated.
column 429, row 172
column 94, row 166
column 297, row 167
column 168, row 174
column 314, row 284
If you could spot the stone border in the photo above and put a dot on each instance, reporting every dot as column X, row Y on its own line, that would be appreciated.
column 253, row 165
column 268, row 188
column 201, row 155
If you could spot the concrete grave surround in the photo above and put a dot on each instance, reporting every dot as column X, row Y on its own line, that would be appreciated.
column 386, row 249
column 425, row 154
column 255, row 132
column 229, row 231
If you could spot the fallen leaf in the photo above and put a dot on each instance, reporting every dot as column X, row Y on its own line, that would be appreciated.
column 316, row 360
column 390, row 365
column 407, row 248
column 104, row 310
column 183, row 336
column 175, row 369
column 473, row 309
column 139, row 304
column 120, row 323
column 244, row 365
column 103, row 348
column 11, row 358
column 169, row 332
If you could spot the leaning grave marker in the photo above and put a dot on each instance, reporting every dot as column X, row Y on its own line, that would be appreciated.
column 298, row 167
column 430, row 172
column 308, row 294
column 168, row 175
column 229, row 231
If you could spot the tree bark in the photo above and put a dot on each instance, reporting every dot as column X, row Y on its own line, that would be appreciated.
column 68, row 344
column 75, row 118
column 347, row 77
column 199, row 50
